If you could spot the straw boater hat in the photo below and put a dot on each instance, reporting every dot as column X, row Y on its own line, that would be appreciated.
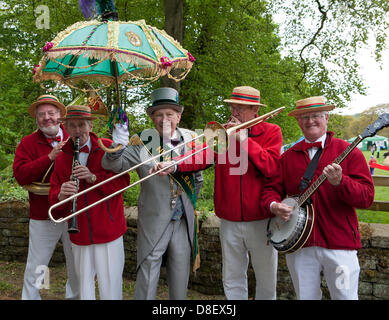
column 245, row 95
column 77, row 112
column 164, row 98
column 311, row 104
column 46, row 99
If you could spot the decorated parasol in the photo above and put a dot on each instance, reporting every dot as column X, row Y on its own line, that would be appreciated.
column 111, row 52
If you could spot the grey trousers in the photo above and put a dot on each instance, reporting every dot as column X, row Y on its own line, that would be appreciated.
column 176, row 244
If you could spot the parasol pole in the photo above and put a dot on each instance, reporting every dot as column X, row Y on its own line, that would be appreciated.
column 116, row 73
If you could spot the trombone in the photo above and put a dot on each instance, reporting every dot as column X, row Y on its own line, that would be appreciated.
column 216, row 137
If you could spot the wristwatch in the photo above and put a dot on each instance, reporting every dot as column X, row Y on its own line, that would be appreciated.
column 93, row 179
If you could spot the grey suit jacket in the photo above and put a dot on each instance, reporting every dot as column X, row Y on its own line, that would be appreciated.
column 154, row 210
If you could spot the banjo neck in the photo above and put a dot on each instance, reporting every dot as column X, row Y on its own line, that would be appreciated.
column 314, row 186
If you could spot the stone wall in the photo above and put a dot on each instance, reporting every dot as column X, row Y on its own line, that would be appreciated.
column 373, row 257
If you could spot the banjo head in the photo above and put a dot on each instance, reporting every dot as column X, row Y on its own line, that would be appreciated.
column 283, row 235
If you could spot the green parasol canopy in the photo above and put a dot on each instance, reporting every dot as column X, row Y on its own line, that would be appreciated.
column 112, row 51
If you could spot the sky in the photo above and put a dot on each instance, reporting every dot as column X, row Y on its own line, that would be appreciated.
column 377, row 81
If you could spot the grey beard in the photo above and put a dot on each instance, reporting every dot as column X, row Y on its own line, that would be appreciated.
column 50, row 131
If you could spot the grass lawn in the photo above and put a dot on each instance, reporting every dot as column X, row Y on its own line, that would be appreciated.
column 381, row 193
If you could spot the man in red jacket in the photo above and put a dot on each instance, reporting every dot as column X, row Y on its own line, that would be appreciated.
column 239, row 177
column 332, row 244
column 98, row 246
column 34, row 159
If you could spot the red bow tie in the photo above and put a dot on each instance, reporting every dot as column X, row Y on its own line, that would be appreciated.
column 308, row 145
column 85, row 149
column 57, row 138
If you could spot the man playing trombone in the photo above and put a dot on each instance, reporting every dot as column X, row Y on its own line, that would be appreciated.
column 166, row 216
column 240, row 173
column 98, row 246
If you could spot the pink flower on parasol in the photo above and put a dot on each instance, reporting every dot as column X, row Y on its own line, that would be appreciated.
column 35, row 68
column 47, row 46
column 166, row 62
column 191, row 58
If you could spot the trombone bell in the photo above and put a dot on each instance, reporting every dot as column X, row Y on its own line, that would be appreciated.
column 216, row 136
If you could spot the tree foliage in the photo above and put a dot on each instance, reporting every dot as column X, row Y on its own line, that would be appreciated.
column 324, row 37
column 234, row 42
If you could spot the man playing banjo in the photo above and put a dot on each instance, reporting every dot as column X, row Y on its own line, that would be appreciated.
column 332, row 244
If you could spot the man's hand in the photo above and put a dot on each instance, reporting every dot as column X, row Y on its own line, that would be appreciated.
column 56, row 150
column 82, row 172
column 240, row 135
column 281, row 210
column 67, row 189
column 162, row 165
column 333, row 173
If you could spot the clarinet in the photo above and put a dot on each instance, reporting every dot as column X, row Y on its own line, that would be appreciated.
column 73, row 227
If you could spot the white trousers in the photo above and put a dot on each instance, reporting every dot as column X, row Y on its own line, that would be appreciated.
column 176, row 244
column 340, row 269
column 238, row 239
column 43, row 238
column 106, row 261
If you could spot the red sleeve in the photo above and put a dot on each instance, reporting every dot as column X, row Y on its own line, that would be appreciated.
column 199, row 161
column 265, row 154
column 55, row 187
column 26, row 167
column 357, row 187
column 273, row 189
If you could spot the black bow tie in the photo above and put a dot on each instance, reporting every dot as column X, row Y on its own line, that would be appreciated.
column 175, row 142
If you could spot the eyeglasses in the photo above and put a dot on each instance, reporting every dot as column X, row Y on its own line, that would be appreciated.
column 43, row 114
column 239, row 109
column 314, row 117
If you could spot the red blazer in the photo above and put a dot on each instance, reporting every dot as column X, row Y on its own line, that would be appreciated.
column 30, row 165
column 241, row 172
column 336, row 223
column 104, row 222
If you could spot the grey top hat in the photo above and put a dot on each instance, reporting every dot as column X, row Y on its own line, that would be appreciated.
column 164, row 98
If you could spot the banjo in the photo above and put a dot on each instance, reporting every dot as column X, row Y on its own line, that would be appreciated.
column 289, row 236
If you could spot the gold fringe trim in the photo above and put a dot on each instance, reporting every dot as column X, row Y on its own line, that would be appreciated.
column 149, row 70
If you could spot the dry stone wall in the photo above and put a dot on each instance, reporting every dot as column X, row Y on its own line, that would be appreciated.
column 373, row 257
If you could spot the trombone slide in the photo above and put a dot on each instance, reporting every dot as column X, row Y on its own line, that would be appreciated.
column 216, row 137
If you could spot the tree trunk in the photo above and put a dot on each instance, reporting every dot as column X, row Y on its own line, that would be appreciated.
column 174, row 26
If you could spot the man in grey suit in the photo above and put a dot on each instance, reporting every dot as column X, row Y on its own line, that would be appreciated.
column 166, row 217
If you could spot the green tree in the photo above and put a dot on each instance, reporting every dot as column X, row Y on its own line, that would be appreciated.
column 324, row 36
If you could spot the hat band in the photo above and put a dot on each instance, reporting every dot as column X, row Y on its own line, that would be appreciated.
column 244, row 97
column 162, row 101
column 78, row 113
column 313, row 105
column 47, row 98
